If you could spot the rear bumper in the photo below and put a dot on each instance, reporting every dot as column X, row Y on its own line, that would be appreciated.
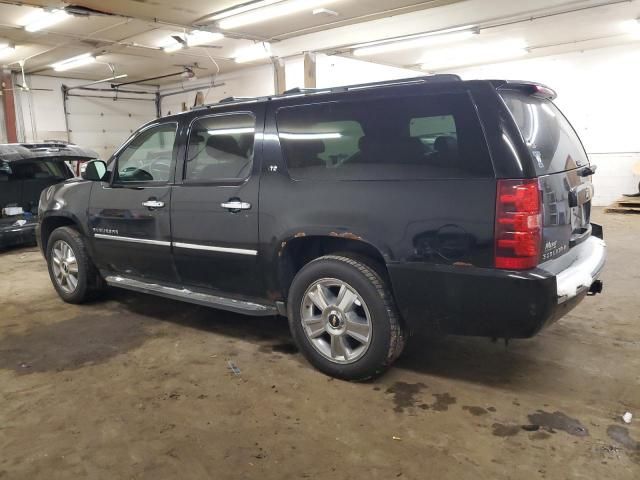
column 584, row 269
column 14, row 235
column 496, row 303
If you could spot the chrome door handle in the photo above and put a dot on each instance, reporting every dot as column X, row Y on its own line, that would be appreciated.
column 153, row 204
column 236, row 205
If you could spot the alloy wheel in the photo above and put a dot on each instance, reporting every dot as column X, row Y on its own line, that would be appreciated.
column 65, row 266
column 336, row 320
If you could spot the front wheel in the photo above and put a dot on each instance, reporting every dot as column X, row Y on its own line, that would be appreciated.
column 72, row 273
column 343, row 318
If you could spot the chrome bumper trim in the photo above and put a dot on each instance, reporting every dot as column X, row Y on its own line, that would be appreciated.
column 583, row 272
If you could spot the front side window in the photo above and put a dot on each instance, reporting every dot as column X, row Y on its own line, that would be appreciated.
column 149, row 156
column 393, row 138
column 220, row 148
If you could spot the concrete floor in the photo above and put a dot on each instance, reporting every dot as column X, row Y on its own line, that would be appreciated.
column 139, row 387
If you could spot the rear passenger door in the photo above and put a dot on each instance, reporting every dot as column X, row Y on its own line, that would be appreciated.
column 214, row 207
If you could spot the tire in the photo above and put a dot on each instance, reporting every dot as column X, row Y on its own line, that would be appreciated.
column 70, row 243
column 357, row 342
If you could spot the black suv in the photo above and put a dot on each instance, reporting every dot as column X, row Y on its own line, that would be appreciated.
column 25, row 170
column 361, row 213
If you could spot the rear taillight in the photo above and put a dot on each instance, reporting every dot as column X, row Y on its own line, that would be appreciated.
column 518, row 224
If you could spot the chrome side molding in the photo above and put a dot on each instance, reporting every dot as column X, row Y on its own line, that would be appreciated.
column 162, row 243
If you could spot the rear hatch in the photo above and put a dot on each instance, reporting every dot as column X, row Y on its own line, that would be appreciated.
column 27, row 169
column 561, row 165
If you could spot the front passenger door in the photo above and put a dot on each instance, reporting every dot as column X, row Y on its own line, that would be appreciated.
column 130, row 216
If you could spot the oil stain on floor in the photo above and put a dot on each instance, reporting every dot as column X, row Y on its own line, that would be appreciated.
column 443, row 402
column 404, row 394
column 621, row 435
column 70, row 344
column 558, row 421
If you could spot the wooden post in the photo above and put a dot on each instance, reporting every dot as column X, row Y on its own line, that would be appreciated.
column 309, row 70
column 279, row 79
column 9, row 105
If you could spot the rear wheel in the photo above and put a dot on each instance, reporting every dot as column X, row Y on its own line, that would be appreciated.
column 343, row 318
column 72, row 273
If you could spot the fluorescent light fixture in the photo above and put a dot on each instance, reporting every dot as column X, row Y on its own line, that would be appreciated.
column 414, row 41
column 200, row 37
column 243, row 8
column 270, row 12
column 231, row 131
column 174, row 47
column 44, row 19
column 258, row 51
column 473, row 54
column 74, row 62
column 6, row 50
column 632, row 26
column 310, row 136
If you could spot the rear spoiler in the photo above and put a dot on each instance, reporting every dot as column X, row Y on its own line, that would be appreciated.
column 528, row 88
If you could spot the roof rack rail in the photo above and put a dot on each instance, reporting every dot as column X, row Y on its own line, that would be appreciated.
column 446, row 77
column 295, row 90
column 235, row 99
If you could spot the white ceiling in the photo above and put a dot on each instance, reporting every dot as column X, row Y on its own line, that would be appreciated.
column 129, row 38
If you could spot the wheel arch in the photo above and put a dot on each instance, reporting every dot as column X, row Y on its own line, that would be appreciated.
column 299, row 250
column 49, row 223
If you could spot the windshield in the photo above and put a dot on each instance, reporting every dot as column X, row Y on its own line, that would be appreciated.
column 553, row 142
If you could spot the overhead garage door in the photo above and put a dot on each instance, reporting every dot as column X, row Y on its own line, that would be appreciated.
column 102, row 124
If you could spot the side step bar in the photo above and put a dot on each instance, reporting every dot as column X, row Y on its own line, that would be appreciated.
column 190, row 296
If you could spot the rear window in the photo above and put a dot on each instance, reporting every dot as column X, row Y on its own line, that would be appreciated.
column 404, row 138
column 38, row 169
column 553, row 142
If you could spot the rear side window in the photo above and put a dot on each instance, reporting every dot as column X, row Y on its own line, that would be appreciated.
column 553, row 142
column 220, row 148
column 407, row 138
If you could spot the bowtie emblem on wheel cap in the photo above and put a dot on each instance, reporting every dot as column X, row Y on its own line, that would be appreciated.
column 334, row 320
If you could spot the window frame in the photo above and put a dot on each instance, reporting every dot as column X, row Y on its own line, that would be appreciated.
column 115, row 160
column 222, row 181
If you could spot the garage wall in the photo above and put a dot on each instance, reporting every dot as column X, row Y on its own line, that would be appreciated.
column 249, row 82
column 598, row 92
column 258, row 81
column 100, row 124
column 334, row 71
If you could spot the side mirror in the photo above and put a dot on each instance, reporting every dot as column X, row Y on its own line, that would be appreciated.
column 95, row 171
